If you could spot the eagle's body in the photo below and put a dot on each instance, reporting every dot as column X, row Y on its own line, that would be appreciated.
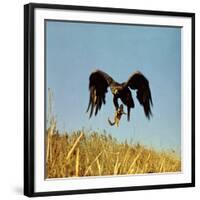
column 122, row 92
column 99, row 82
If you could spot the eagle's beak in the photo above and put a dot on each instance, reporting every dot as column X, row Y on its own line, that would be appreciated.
column 115, row 91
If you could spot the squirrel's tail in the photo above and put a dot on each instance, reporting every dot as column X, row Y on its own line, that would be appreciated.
column 111, row 123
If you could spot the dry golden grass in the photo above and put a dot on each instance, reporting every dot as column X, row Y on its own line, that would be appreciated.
column 86, row 153
column 94, row 154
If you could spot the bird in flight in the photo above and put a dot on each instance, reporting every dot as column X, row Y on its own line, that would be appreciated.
column 99, row 82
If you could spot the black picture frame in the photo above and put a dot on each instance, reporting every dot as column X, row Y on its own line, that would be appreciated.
column 29, row 101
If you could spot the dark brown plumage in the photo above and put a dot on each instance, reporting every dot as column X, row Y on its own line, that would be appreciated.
column 99, row 82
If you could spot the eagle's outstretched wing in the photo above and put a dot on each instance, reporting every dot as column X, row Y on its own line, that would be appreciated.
column 98, row 84
column 137, row 81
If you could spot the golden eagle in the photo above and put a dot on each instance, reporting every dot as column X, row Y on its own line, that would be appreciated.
column 99, row 82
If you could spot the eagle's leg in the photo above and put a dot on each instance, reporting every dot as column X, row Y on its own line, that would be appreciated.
column 115, row 101
column 128, row 113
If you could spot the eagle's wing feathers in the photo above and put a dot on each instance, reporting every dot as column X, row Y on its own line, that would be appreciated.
column 98, row 84
column 137, row 81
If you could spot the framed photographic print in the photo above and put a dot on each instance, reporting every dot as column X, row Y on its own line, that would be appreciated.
column 109, row 99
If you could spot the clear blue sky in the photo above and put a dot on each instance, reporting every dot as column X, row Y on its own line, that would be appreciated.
column 74, row 50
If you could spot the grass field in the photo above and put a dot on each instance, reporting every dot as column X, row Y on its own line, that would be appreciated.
column 91, row 153
column 81, row 153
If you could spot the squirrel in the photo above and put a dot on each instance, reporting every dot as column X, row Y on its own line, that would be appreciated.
column 118, row 114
